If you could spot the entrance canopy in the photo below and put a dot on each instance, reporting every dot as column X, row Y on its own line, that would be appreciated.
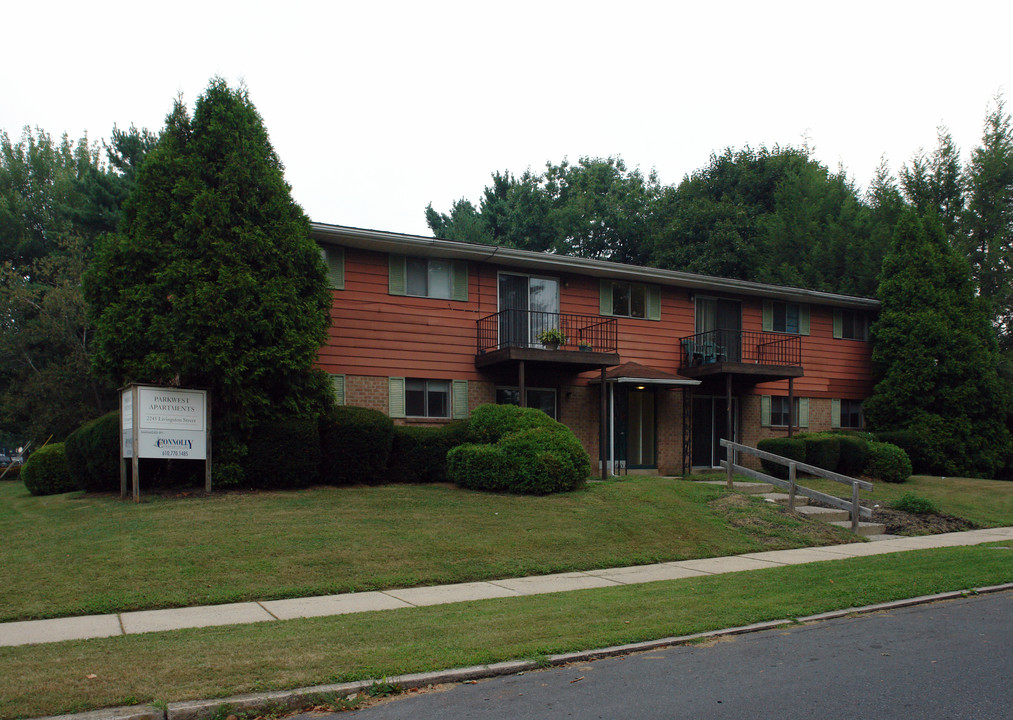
column 638, row 374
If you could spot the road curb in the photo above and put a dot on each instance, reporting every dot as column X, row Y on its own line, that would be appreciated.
column 299, row 698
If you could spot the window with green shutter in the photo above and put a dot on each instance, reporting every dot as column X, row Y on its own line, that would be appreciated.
column 334, row 259
column 428, row 277
column 623, row 299
column 338, row 385
column 785, row 317
column 774, row 411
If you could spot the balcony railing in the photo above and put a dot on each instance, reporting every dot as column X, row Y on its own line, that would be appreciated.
column 521, row 328
column 742, row 346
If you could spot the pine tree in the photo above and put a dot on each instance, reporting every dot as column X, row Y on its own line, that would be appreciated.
column 213, row 281
column 936, row 356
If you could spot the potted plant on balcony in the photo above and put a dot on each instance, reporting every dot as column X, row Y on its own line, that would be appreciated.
column 552, row 338
column 584, row 346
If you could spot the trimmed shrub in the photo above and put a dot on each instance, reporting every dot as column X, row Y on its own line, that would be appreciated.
column 909, row 502
column 888, row 463
column 489, row 423
column 480, row 467
column 45, row 472
column 93, row 454
column 419, row 453
column 283, row 454
column 548, row 460
column 355, row 445
column 792, row 448
column 854, row 452
column 917, row 447
column 822, row 449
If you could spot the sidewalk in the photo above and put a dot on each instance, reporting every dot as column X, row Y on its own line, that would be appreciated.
column 94, row 626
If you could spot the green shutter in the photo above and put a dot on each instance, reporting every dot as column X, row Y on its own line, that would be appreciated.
column 605, row 298
column 396, row 395
column 838, row 324
column 803, row 412
column 765, row 411
column 396, row 277
column 653, row 302
column 338, row 384
column 460, row 399
column 460, row 280
column 803, row 319
column 334, row 258
column 768, row 316
column 835, row 413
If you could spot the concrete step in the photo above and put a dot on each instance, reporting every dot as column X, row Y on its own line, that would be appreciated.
column 782, row 498
column 864, row 528
column 825, row 514
column 749, row 488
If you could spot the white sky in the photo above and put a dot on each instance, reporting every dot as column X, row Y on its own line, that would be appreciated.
column 377, row 108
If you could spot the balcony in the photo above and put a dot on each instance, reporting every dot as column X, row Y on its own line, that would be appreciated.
column 512, row 335
column 759, row 356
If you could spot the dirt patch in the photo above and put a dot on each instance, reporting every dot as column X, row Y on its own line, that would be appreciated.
column 899, row 522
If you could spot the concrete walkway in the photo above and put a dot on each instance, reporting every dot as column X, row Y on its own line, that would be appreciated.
column 94, row 626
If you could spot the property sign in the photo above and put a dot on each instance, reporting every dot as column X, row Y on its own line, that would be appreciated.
column 171, row 423
column 165, row 424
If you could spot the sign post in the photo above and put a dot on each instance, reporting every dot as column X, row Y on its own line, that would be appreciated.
column 163, row 423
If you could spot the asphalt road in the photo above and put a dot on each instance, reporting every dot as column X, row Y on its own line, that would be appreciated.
column 950, row 659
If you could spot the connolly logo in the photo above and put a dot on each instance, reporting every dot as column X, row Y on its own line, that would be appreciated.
column 172, row 442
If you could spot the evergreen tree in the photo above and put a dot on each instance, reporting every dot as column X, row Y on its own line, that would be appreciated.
column 936, row 356
column 213, row 281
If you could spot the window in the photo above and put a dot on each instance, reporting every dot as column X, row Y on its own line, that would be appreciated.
column 850, row 325
column 427, row 398
column 846, row 414
column 334, row 259
column 785, row 317
column 624, row 299
column 774, row 411
column 428, row 277
column 543, row 399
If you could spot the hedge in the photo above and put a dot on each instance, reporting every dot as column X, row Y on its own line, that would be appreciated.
column 283, row 454
column 822, row 449
column 791, row 448
column 548, row 460
column 45, row 472
column 888, row 463
column 419, row 453
column 93, row 454
column 476, row 466
column 355, row 445
column 918, row 448
column 853, row 456
column 489, row 423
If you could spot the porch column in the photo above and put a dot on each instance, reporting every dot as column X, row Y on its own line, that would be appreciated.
column 729, row 453
column 791, row 405
column 601, row 426
column 520, row 384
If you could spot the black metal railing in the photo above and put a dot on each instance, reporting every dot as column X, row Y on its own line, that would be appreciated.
column 524, row 328
column 742, row 346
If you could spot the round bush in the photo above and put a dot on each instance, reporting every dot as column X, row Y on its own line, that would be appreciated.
column 283, row 454
column 918, row 448
column 887, row 463
column 491, row 422
column 355, row 445
column 419, row 453
column 791, row 448
column 93, row 454
column 548, row 460
column 480, row 467
column 822, row 449
column 853, row 456
column 45, row 472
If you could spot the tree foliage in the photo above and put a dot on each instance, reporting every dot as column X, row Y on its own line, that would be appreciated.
column 936, row 355
column 213, row 280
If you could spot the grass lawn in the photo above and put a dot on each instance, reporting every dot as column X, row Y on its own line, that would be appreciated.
column 216, row 662
column 73, row 554
column 988, row 503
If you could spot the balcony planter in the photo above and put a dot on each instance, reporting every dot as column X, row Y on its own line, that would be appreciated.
column 584, row 347
column 552, row 338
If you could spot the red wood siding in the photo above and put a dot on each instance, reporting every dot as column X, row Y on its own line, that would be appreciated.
column 374, row 333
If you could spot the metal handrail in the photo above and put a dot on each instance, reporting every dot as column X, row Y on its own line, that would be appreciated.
column 853, row 507
column 521, row 328
column 741, row 346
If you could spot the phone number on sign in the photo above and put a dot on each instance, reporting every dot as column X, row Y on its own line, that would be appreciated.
column 175, row 453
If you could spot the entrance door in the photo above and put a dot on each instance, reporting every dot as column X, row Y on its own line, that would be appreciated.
column 634, row 427
column 528, row 305
column 710, row 423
